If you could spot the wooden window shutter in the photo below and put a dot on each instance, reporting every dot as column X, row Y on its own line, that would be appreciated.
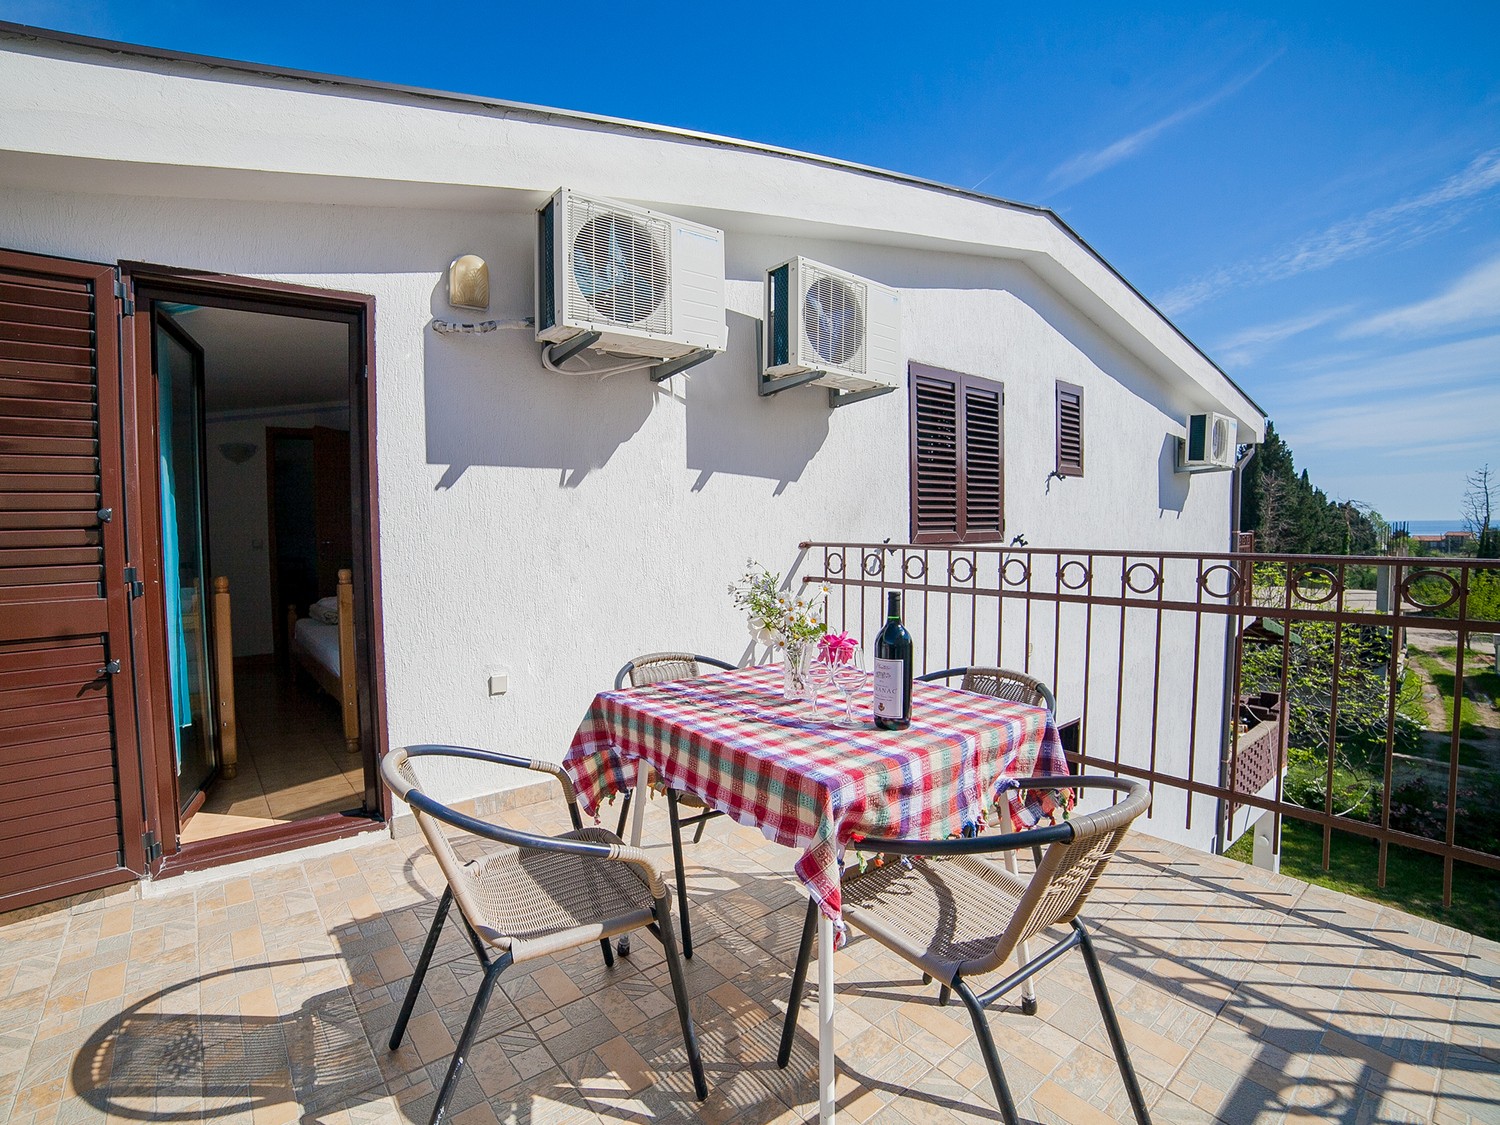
column 1069, row 429
column 957, row 457
column 984, row 443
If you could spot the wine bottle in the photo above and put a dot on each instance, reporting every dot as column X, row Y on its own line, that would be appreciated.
column 893, row 669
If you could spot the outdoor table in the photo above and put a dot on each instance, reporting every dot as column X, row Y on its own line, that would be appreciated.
column 730, row 739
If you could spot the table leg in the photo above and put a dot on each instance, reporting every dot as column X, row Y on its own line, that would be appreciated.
column 825, row 1020
column 1023, row 953
column 637, row 822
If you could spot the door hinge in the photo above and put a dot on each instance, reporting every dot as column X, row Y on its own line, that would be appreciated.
column 152, row 846
column 133, row 584
column 122, row 294
column 112, row 668
column 104, row 515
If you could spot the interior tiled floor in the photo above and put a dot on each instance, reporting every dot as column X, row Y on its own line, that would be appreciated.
column 267, row 997
column 292, row 759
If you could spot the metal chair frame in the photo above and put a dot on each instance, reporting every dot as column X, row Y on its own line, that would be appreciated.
column 976, row 1003
column 678, row 822
column 660, row 927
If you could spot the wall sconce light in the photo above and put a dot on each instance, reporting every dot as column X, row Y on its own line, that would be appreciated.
column 469, row 283
column 238, row 452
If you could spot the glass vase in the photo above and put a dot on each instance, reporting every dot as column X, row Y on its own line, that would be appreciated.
column 796, row 665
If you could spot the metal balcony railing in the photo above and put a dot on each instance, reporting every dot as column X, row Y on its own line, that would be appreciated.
column 1235, row 684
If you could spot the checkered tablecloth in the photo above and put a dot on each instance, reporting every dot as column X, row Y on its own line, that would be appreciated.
column 732, row 740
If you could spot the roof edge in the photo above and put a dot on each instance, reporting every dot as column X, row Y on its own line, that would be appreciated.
column 9, row 29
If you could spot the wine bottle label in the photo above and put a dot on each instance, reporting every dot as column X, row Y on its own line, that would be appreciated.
column 890, row 678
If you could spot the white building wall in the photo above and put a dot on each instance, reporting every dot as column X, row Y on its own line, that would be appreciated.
column 553, row 526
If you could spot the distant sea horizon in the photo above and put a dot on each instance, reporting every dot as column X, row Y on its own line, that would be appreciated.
column 1431, row 527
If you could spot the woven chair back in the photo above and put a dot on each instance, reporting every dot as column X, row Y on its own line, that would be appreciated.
column 1068, row 873
column 658, row 667
column 1002, row 683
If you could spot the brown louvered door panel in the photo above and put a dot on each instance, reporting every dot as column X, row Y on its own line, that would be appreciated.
column 70, row 795
column 984, row 462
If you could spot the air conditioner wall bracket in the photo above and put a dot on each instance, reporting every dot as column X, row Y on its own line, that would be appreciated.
column 664, row 371
column 565, row 350
column 837, row 399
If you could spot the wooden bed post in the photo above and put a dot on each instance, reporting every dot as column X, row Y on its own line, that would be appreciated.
column 347, row 678
column 229, row 751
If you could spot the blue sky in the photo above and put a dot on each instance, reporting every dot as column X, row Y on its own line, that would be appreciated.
column 1310, row 191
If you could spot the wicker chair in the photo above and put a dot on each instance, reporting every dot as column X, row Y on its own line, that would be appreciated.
column 654, row 668
column 537, row 896
column 1000, row 683
column 955, row 915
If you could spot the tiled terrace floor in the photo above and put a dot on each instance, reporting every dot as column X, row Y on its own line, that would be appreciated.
column 267, row 996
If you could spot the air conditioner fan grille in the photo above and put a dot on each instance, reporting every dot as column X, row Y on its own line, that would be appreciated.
column 620, row 268
column 833, row 319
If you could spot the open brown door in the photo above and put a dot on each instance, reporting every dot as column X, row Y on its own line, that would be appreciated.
column 71, row 814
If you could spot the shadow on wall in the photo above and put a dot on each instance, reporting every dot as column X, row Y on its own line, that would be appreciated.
column 731, row 429
column 1171, row 486
column 490, row 402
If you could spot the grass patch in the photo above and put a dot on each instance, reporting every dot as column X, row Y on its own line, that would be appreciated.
column 1414, row 880
column 1433, row 751
column 1442, row 679
column 1409, row 698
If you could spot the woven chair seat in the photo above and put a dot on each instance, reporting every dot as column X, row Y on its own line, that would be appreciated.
column 535, row 903
column 941, row 914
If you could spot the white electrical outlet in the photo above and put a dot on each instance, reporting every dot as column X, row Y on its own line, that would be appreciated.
column 499, row 683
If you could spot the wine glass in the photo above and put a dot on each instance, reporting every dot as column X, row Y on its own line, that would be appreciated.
column 849, row 676
column 819, row 681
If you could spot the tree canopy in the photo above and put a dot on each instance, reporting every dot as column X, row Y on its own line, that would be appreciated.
column 1289, row 515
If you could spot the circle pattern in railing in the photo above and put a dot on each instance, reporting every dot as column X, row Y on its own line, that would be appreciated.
column 1232, row 588
column 834, row 564
column 1153, row 576
column 1083, row 571
column 1335, row 584
column 1025, row 572
column 921, row 567
column 1415, row 576
column 873, row 564
column 968, row 575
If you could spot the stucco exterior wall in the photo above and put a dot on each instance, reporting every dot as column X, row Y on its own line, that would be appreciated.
column 552, row 526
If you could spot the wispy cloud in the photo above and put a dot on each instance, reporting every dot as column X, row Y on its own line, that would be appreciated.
column 1406, row 221
column 1245, row 346
column 1078, row 168
column 1473, row 299
column 1392, row 378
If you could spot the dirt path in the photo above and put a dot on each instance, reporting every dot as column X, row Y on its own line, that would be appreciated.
column 1486, row 741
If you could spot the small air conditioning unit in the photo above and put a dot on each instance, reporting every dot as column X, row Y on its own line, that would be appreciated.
column 844, row 328
column 1210, row 444
column 650, row 285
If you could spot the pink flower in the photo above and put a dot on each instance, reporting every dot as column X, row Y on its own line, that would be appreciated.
column 837, row 648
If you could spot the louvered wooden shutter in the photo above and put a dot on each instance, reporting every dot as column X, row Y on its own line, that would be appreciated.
column 63, row 717
column 1069, row 429
column 935, row 458
column 957, row 457
column 983, row 461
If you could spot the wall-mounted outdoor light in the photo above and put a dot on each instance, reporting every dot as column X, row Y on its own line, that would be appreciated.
column 469, row 283
column 238, row 452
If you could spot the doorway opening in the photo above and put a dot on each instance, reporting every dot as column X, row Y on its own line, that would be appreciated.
column 260, row 472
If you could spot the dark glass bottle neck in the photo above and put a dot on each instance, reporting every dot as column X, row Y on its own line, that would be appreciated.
column 892, row 606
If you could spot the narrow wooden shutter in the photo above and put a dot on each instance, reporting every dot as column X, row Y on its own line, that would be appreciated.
column 1069, row 429
column 983, row 517
column 935, row 460
column 957, row 462
column 62, row 777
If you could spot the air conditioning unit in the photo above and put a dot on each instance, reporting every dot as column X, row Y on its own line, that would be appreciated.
column 650, row 285
column 1210, row 443
column 844, row 328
